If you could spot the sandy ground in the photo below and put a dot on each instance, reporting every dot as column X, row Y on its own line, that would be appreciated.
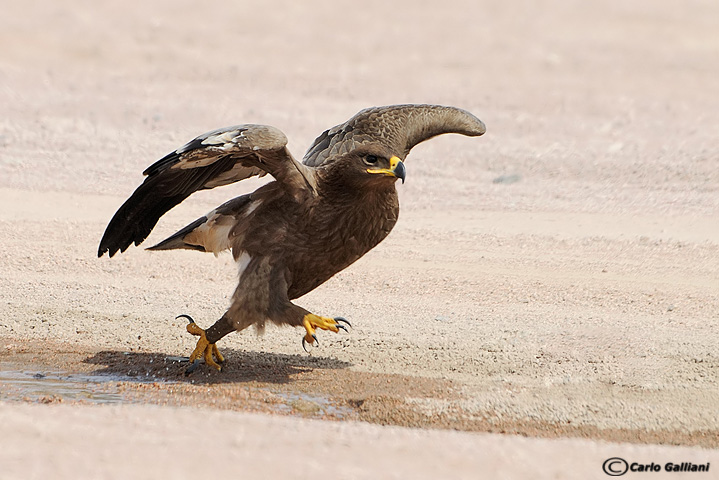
column 557, row 277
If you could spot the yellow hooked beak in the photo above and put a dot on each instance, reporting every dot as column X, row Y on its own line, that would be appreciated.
column 396, row 169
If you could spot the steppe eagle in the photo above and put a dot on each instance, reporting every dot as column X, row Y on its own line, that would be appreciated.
column 292, row 234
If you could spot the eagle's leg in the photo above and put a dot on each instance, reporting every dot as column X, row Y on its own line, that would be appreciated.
column 284, row 311
column 206, row 345
column 312, row 322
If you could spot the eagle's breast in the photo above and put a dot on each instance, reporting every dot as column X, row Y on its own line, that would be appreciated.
column 336, row 234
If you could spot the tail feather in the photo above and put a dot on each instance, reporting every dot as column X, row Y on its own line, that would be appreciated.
column 210, row 233
column 177, row 240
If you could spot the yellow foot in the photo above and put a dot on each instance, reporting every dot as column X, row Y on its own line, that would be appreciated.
column 312, row 322
column 203, row 349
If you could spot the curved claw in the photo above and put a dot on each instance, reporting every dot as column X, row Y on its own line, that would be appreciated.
column 343, row 320
column 185, row 316
column 192, row 367
column 311, row 322
column 304, row 342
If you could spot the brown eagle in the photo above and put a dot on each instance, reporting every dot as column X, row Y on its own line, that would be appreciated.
column 291, row 235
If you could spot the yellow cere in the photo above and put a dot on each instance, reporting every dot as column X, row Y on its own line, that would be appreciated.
column 393, row 162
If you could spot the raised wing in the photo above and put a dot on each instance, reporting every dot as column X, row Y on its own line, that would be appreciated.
column 398, row 127
column 217, row 158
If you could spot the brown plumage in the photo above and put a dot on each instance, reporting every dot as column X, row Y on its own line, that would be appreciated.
column 293, row 234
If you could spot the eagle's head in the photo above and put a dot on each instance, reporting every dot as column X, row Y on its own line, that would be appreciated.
column 366, row 168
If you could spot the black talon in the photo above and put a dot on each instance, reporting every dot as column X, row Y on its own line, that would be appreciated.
column 339, row 325
column 192, row 367
column 343, row 320
column 185, row 316
column 304, row 342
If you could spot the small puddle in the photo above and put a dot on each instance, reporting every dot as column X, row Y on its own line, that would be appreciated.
column 18, row 383
column 312, row 405
column 49, row 387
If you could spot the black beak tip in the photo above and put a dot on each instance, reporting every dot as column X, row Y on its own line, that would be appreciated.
column 400, row 171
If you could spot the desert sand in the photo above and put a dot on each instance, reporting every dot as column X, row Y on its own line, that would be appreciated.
column 548, row 299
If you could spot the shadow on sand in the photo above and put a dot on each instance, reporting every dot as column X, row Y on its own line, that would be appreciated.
column 239, row 366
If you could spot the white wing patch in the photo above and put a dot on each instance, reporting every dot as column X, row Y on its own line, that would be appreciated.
column 217, row 143
column 242, row 262
column 226, row 139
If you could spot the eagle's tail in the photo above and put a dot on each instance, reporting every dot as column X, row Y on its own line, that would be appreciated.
column 210, row 233
column 177, row 240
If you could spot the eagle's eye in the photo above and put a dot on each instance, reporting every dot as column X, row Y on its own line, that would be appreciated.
column 371, row 159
